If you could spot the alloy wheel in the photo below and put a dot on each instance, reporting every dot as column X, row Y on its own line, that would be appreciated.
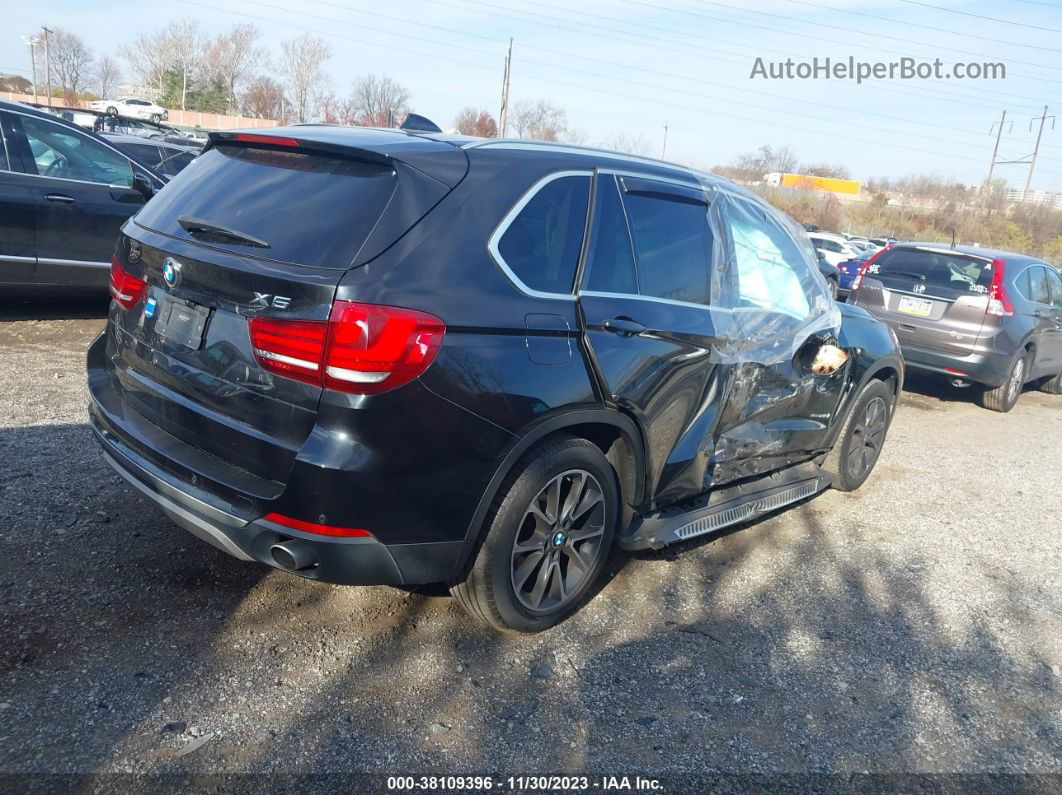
column 559, row 541
column 868, row 435
column 1017, row 380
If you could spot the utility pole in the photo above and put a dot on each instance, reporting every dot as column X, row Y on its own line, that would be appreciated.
column 1036, row 151
column 663, row 150
column 47, row 65
column 503, row 115
column 995, row 151
column 33, row 41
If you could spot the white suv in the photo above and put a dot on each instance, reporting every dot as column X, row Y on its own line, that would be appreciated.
column 835, row 249
column 132, row 107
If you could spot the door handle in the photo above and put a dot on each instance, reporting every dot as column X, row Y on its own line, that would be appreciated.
column 623, row 326
column 60, row 197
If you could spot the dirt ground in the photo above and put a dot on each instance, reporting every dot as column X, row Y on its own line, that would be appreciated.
column 914, row 626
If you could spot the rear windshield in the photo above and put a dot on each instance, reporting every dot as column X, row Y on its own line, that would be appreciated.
column 311, row 209
column 945, row 274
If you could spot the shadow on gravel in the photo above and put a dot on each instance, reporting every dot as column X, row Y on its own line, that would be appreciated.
column 122, row 637
column 53, row 303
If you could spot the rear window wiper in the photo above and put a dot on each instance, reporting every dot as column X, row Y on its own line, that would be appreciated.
column 199, row 226
column 921, row 276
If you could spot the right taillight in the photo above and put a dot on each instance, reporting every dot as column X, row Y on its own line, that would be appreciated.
column 126, row 289
column 858, row 280
column 999, row 304
column 362, row 348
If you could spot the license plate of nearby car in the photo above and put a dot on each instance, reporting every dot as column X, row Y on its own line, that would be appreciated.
column 182, row 322
column 915, row 306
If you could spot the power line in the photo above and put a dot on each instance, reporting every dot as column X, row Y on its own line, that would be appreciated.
column 891, row 117
column 980, row 16
column 966, row 99
column 893, row 21
column 653, row 86
column 714, row 112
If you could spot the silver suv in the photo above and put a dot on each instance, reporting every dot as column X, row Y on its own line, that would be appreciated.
column 974, row 315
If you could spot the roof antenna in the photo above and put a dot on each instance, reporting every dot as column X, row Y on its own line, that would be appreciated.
column 953, row 237
column 418, row 123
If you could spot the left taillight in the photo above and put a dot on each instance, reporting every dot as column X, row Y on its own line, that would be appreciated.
column 362, row 349
column 126, row 289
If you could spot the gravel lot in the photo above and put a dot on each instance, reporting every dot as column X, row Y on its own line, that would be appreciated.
column 915, row 625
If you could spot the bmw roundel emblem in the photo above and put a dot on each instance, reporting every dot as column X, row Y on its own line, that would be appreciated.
column 171, row 272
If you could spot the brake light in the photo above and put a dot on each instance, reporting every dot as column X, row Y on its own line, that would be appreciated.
column 126, row 289
column 317, row 529
column 858, row 280
column 362, row 348
column 273, row 140
column 999, row 304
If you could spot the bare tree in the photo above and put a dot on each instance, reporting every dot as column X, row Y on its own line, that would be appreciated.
column 70, row 60
column 148, row 57
column 765, row 160
column 471, row 121
column 264, row 99
column 540, row 120
column 105, row 76
column 302, row 64
column 631, row 144
column 184, row 47
column 232, row 56
column 338, row 111
column 377, row 99
column 834, row 170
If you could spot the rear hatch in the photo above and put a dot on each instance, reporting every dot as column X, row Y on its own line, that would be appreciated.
column 258, row 227
column 932, row 298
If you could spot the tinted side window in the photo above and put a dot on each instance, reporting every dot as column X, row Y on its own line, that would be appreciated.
column 542, row 243
column 1038, row 290
column 5, row 164
column 61, row 152
column 1054, row 282
column 610, row 261
column 828, row 245
column 673, row 243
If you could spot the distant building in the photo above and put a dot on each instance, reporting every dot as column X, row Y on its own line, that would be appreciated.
column 140, row 92
column 842, row 188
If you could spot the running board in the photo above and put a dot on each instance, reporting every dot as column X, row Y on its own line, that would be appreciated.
column 726, row 506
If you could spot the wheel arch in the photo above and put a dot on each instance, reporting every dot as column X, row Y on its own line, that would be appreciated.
column 613, row 432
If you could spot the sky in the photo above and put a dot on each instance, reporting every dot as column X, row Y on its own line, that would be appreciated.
column 628, row 67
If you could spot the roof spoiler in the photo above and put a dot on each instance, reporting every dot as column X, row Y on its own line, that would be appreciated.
column 290, row 143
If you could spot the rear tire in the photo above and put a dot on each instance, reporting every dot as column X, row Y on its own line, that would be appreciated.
column 862, row 437
column 544, row 550
column 834, row 287
column 1005, row 396
column 112, row 111
column 1052, row 386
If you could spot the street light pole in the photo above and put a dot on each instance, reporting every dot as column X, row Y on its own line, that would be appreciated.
column 33, row 41
column 47, row 65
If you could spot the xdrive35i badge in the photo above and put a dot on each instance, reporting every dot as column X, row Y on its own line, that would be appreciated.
column 171, row 272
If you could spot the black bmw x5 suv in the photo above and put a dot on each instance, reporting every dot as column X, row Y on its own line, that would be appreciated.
column 376, row 357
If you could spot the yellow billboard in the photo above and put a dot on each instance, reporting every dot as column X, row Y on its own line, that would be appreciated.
column 829, row 184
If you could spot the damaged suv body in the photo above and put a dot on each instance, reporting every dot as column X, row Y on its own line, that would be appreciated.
column 375, row 357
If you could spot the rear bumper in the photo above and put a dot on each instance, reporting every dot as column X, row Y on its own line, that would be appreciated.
column 344, row 561
column 224, row 505
column 990, row 369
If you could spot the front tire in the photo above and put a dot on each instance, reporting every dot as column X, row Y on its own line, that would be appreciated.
column 156, row 118
column 1005, row 396
column 1052, row 386
column 112, row 111
column 832, row 284
column 549, row 532
column 861, row 438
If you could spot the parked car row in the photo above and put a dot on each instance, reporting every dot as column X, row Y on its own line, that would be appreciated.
column 486, row 363
column 65, row 191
